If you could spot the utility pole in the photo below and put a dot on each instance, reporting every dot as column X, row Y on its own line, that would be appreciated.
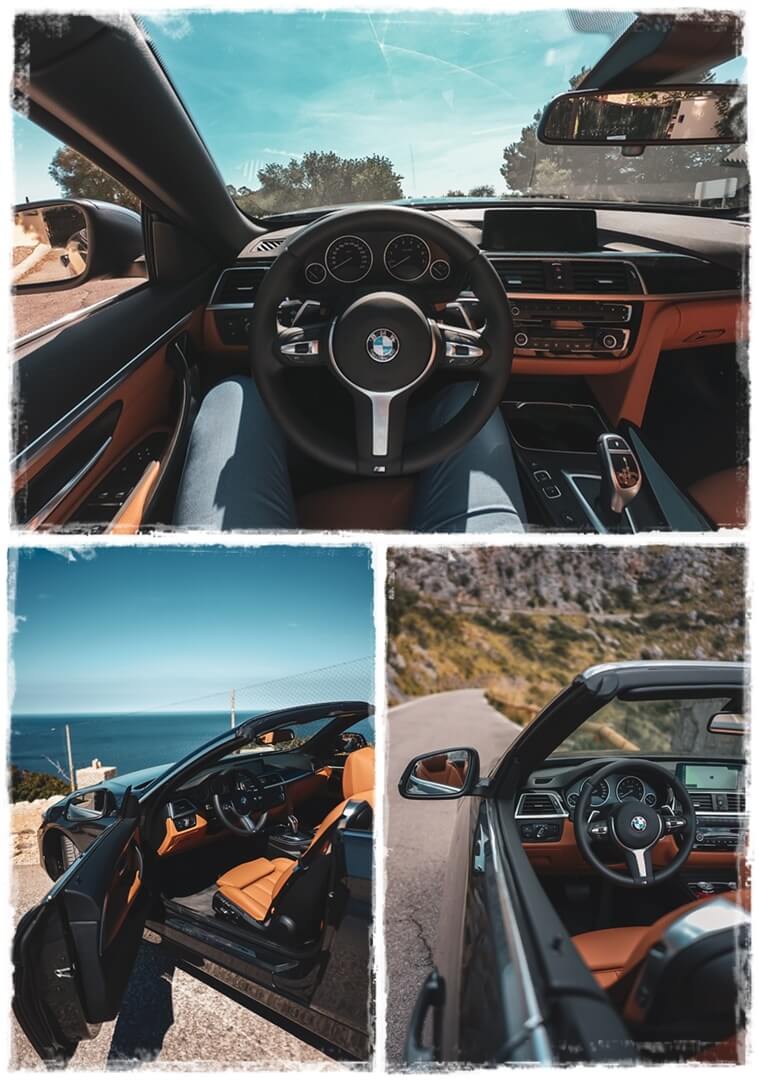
column 232, row 710
column 72, row 774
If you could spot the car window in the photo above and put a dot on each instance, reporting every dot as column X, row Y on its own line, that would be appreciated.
column 52, row 245
column 675, row 726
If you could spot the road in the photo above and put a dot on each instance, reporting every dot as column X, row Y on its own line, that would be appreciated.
column 34, row 310
column 418, row 837
column 169, row 1020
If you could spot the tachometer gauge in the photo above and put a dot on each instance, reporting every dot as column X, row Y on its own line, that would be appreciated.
column 630, row 787
column 348, row 259
column 407, row 257
column 600, row 792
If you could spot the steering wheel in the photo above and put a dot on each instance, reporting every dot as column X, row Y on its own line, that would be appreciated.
column 381, row 347
column 235, row 807
column 634, row 828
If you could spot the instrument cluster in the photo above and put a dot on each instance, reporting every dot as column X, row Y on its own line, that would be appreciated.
column 405, row 257
column 616, row 788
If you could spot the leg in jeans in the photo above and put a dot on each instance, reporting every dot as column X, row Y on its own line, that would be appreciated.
column 235, row 473
column 476, row 490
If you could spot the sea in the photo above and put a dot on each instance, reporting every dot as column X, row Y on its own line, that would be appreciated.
column 132, row 742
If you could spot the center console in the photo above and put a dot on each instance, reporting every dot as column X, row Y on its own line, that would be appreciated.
column 591, row 328
column 565, row 477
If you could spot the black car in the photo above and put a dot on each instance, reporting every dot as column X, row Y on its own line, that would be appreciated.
column 251, row 858
column 595, row 905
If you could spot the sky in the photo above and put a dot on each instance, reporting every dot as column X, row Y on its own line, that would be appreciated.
column 439, row 94
column 133, row 629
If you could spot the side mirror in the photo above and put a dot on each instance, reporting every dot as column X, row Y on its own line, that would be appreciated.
column 275, row 737
column 444, row 774
column 659, row 116
column 62, row 244
column 727, row 724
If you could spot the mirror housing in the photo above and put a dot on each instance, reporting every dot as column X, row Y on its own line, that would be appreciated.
column 442, row 774
column 85, row 238
column 727, row 724
column 695, row 115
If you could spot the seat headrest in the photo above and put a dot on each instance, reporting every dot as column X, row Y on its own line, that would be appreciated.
column 358, row 774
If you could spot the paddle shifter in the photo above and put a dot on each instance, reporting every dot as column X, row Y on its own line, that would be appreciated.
column 621, row 477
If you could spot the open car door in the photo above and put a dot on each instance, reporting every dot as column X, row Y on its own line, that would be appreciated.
column 73, row 953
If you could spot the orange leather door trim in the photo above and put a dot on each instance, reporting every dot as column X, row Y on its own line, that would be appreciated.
column 148, row 407
column 131, row 515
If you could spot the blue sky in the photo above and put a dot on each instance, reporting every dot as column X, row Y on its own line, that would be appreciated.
column 130, row 629
column 439, row 94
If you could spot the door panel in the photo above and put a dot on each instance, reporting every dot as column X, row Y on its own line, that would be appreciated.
column 73, row 954
column 116, row 366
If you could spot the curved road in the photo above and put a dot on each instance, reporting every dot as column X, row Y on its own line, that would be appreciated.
column 418, row 837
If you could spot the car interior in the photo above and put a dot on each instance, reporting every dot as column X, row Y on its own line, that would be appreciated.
column 610, row 336
column 642, row 855
column 253, row 844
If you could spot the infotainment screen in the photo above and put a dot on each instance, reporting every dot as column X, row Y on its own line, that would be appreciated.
column 539, row 229
column 709, row 777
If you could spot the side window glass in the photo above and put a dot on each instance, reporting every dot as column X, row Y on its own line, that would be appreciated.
column 58, row 268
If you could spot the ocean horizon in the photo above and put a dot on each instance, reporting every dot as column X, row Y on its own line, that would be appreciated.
column 127, row 741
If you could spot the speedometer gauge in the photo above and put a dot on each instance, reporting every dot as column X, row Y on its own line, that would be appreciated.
column 348, row 259
column 630, row 787
column 407, row 257
column 600, row 792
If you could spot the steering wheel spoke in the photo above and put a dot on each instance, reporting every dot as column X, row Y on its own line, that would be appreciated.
column 463, row 349
column 640, row 865
column 380, row 420
column 303, row 346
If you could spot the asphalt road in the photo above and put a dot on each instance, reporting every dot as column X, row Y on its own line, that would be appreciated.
column 169, row 1020
column 418, row 838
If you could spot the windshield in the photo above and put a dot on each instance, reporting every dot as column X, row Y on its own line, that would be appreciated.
column 285, row 738
column 310, row 109
column 675, row 726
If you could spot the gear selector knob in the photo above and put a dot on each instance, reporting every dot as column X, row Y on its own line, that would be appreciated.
column 621, row 476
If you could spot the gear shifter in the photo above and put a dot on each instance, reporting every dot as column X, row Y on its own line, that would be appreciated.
column 621, row 477
column 294, row 824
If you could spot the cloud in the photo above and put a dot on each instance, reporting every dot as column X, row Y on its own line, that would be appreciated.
column 175, row 27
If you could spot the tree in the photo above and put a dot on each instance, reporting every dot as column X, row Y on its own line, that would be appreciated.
column 26, row 786
column 78, row 178
column 483, row 191
column 321, row 178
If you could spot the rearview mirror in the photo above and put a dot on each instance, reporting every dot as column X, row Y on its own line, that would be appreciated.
column 658, row 116
column 727, row 724
column 276, row 737
column 444, row 774
column 61, row 244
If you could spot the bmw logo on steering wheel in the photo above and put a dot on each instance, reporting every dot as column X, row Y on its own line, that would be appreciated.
column 639, row 823
column 382, row 345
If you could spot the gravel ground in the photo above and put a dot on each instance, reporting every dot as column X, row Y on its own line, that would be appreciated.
column 169, row 1020
column 418, row 838
column 34, row 310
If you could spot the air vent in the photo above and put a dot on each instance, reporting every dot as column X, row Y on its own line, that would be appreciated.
column 521, row 276
column 270, row 245
column 179, row 807
column 238, row 286
column 736, row 803
column 702, row 803
column 539, row 804
column 603, row 277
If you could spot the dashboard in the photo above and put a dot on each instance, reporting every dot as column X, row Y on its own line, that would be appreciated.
column 647, row 281
column 545, row 809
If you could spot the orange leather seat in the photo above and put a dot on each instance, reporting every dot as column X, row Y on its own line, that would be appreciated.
column 722, row 496
column 254, row 886
column 612, row 954
column 441, row 770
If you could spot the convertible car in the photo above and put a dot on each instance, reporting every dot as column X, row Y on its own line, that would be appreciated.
column 596, row 905
column 251, row 859
column 593, row 337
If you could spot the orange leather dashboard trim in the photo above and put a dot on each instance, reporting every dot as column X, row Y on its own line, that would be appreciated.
column 175, row 841
column 563, row 856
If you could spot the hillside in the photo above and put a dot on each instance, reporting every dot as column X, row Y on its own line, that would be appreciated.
column 521, row 622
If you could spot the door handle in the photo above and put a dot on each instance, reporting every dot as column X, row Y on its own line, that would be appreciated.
column 431, row 997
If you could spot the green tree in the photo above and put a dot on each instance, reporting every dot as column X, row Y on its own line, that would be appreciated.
column 78, row 178
column 321, row 178
column 26, row 786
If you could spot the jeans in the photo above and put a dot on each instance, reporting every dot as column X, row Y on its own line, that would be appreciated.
column 236, row 475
